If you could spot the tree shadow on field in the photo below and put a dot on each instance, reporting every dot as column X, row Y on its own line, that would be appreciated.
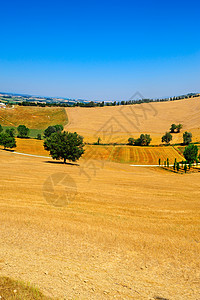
column 61, row 163
column 9, row 150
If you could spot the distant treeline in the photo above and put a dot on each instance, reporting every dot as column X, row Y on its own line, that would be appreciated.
column 103, row 103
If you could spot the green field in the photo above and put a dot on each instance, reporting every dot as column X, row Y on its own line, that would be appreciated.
column 37, row 119
column 33, row 117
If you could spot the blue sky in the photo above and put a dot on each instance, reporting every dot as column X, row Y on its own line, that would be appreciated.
column 100, row 49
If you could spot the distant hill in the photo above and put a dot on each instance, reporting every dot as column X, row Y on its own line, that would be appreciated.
column 26, row 99
column 118, row 123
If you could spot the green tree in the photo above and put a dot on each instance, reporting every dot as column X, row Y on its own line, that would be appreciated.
column 52, row 129
column 10, row 131
column 187, row 138
column 179, row 127
column 173, row 128
column 98, row 140
column 7, row 141
column 131, row 141
column 168, row 162
column 166, row 138
column 185, row 167
column 23, row 131
column 1, row 128
column 143, row 140
column 65, row 145
column 190, row 153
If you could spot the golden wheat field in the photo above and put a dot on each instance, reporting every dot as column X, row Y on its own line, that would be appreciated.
column 123, row 154
column 117, row 124
column 121, row 232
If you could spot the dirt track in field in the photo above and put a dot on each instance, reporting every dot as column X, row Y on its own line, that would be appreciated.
column 130, row 233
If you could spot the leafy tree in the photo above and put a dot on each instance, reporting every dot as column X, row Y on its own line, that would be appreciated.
column 179, row 127
column 1, row 128
column 52, row 129
column 173, row 128
column 190, row 153
column 65, row 145
column 10, row 131
column 23, row 131
column 7, row 141
column 131, row 141
column 187, row 138
column 167, row 138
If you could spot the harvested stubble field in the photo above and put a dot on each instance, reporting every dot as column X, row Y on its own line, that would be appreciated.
column 123, row 154
column 32, row 117
column 132, row 154
column 118, row 123
column 130, row 233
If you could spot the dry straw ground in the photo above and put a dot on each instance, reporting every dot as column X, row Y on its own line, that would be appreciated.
column 123, row 154
column 130, row 233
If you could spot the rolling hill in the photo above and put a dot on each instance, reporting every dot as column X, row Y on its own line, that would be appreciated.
column 118, row 123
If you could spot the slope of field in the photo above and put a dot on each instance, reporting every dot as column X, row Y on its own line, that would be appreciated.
column 128, row 233
column 123, row 154
column 31, row 146
column 133, row 155
column 32, row 117
column 117, row 124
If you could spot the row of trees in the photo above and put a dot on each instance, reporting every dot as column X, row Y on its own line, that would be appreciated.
column 143, row 140
column 187, row 138
column 191, row 156
column 100, row 104
column 61, row 145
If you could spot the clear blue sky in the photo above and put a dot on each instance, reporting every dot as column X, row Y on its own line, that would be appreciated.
column 100, row 49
